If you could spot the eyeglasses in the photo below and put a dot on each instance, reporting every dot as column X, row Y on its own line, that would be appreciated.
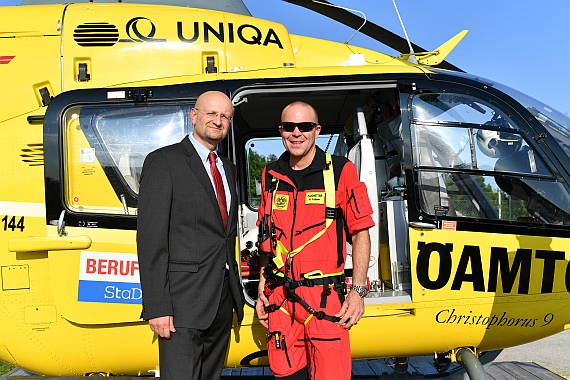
column 213, row 115
column 304, row 126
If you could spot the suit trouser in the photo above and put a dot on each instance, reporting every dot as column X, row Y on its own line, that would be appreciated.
column 198, row 354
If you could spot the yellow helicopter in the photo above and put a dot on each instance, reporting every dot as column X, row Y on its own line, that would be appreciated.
column 468, row 179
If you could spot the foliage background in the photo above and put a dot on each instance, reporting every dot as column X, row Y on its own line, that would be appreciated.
column 5, row 368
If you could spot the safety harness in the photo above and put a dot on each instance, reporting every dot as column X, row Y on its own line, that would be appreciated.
column 273, row 271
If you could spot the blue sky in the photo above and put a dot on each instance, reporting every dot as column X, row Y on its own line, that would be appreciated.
column 522, row 44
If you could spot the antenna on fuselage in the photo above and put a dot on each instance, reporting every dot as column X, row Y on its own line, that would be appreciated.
column 346, row 9
column 412, row 57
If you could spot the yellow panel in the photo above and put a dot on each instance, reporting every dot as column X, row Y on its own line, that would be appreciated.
column 22, row 75
column 32, row 36
column 15, row 277
column 39, row 20
column 313, row 52
column 40, row 314
column 65, row 272
column 21, row 155
column 150, row 41
column 458, row 264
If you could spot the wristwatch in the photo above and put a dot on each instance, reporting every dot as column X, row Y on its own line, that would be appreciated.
column 360, row 289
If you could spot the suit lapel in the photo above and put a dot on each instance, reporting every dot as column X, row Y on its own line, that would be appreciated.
column 197, row 167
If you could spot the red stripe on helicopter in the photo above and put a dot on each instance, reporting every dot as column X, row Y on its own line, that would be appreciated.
column 5, row 59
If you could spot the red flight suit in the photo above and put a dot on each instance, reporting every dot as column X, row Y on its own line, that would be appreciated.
column 296, row 213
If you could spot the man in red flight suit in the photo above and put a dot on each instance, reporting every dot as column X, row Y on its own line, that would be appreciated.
column 310, row 200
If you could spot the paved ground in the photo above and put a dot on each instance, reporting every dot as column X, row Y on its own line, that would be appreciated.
column 552, row 353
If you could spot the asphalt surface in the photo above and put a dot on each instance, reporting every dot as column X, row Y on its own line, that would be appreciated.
column 552, row 353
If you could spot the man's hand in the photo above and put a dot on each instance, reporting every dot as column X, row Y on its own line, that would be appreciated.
column 162, row 326
column 262, row 300
column 262, row 315
column 351, row 311
column 353, row 307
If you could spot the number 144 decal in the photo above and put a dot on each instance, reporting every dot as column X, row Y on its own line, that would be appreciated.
column 9, row 223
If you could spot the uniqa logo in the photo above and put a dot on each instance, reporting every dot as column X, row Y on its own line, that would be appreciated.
column 142, row 29
column 133, row 31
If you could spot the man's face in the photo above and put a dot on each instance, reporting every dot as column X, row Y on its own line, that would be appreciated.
column 211, row 118
column 298, row 143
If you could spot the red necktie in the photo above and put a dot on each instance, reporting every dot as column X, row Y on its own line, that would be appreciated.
column 220, row 192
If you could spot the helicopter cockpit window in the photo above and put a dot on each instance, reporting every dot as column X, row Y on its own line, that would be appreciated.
column 472, row 161
column 557, row 123
column 457, row 108
column 476, row 149
column 105, row 148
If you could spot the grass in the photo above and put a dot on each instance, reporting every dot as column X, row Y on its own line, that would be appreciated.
column 5, row 368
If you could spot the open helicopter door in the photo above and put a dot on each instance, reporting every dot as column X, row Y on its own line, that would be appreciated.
column 389, row 262
column 362, row 155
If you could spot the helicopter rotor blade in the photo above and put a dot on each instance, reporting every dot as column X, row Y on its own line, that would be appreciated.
column 370, row 29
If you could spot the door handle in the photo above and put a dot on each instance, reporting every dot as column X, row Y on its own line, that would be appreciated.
column 424, row 225
column 33, row 244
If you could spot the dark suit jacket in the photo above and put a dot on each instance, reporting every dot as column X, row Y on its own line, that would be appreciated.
column 181, row 242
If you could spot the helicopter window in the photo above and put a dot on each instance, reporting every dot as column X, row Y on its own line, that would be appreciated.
column 459, row 108
column 476, row 149
column 259, row 152
column 472, row 177
column 442, row 147
column 471, row 196
column 556, row 123
column 472, row 162
column 262, row 151
column 106, row 148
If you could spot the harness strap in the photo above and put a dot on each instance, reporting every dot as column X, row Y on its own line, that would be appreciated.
column 340, row 289
column 334, row 280
column 276, row 277
column 339, row 242
column 330, row 214
column 318, row 314
column 326, row 292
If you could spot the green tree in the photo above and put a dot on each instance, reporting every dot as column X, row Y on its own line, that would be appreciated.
column 255, row 164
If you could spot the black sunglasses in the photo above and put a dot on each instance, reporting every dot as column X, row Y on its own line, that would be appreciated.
column 304, row 126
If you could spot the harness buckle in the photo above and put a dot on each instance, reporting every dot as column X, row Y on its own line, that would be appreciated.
column 326, row 292
column 271, row 308
column 319, row 314
column 333, row 213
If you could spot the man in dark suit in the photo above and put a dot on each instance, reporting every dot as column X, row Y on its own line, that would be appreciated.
column 187, row 225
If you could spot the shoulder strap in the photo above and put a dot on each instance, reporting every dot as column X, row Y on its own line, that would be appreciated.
column 330, row 201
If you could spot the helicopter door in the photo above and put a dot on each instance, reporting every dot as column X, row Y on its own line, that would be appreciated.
column 478, row 180
column 362, row 155
column 379, row 168
column 95, row 145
